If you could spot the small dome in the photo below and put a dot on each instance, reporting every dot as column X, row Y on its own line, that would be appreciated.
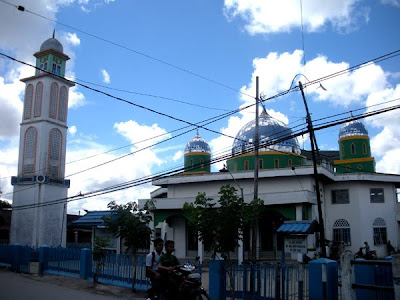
column 269, row 130
column 197, row 144
column 352, row 128
column 51, row 43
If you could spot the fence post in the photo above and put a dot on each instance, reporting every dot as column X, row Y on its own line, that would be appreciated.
column 216, row 279
column 86, row 263
column 44, row 255
column 396, row 275
column 347, row 277
column 324, row 279
column 301, row 282
column 17, row 256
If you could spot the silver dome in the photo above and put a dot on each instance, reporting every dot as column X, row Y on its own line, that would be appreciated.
column 51, row 43
column 269, row 130
column 352, row 128
column 197, row 144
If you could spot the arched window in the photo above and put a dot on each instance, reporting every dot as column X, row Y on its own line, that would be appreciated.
column 28, row 167
column 53, row 100
column 246, row 164
column 38, row 99
column 364, row 146
column 55, row 146
column 379, row 227
column 276, row 163
column 191, row 162
column 353, row 148
column 235, row 166
column 62, row 108
column 260, row 164
column 290, row 162
column 342, row 150
column 341, row 231
column 202, row 163
column 28, row 101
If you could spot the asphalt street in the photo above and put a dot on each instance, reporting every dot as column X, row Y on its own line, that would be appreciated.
column 15, row 286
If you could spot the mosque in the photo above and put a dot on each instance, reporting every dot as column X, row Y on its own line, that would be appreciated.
column 358, row 204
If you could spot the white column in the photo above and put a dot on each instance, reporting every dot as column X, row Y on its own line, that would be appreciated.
column 299, row 212
column 200, row 250
column 240, row 252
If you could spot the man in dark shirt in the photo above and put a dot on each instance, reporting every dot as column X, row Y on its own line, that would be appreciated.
column 166, row 265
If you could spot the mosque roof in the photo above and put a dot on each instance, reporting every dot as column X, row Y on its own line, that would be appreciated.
column 197, row 144
column 269, row 130
column 51, row 43
column 352, row 128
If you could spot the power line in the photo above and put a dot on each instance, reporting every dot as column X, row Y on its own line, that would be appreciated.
column 144, row 180
column 22, row 8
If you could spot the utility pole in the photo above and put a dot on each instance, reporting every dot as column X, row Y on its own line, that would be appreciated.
column 317, row 191
column 256, row 146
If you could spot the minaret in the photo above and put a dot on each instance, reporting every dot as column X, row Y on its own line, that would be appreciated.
column 354, row 149
column 197, row 156
column 41, row 163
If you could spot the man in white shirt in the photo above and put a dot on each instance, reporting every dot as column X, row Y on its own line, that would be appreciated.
column 152, row 268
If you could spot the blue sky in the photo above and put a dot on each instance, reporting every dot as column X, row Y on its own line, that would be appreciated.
column 205, row 53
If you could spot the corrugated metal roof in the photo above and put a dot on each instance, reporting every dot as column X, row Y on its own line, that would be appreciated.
column 304, row 227
column 92, row 218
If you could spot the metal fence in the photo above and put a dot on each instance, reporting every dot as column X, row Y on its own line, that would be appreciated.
column 120, row 268
column 267, row 281
column 65, row 260
column 17, row 257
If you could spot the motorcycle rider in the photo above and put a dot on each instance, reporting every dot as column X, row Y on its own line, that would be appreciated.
column 166, row 265
column 152, row 268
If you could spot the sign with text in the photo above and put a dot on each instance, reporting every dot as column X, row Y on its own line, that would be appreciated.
column 296, row 244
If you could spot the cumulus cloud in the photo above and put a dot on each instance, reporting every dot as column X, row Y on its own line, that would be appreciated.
column 73, row 39
column 72, row 130
column 282, row 16
column 341, row 90
column 105, row 76
column 130, row 167
column 178, row 155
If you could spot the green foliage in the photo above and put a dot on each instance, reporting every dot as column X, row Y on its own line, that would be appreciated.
column 4, row 204
column 220, row 223
column 99, row 254
column 129, row 223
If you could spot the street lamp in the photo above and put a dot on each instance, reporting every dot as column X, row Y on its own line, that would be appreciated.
column 313, row 143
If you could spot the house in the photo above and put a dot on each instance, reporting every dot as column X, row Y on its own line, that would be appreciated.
column 91, row 225
column 358, row 204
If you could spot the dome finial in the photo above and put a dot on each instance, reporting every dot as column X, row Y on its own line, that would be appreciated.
column 54, row 33
column 351, row 114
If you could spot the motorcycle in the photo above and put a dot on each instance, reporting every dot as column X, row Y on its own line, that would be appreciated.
column 371, row 255
column 188, row 285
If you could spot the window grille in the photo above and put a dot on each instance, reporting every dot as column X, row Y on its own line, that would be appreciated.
column 53, row 100
column 340, row 197
column 377, row 195
column 54, row 153
column 29, row 151
column 28, row 101
column 341, row 231
column 38, row 100
column 63, row 104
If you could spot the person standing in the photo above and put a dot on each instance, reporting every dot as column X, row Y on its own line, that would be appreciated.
column 152, row 268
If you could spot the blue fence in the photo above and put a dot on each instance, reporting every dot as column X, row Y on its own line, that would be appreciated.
column 17, row 257
column 64, row 260
column 260, row 281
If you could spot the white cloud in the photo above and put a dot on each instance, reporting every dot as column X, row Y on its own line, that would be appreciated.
column 395, row 3
column 72, row 130
column 73, row 39
column 105, row 75
column 277, row 72
column 282, row 16
column 178, row 155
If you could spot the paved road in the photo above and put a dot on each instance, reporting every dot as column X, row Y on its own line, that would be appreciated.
column 18, row 286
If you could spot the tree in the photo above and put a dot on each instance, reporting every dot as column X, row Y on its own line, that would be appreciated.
column 99, row 254
column 130, row 223
column 4, row 204
column 220, row 223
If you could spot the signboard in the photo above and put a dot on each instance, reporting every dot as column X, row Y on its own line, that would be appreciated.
column 296, row 244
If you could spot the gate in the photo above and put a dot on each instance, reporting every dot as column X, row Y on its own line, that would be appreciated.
column 266, row 282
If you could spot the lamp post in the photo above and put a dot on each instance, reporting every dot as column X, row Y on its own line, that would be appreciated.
column 312, row 141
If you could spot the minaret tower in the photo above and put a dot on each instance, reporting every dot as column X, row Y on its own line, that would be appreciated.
column 197, row 156
column 36, row 221
column 355, row 150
